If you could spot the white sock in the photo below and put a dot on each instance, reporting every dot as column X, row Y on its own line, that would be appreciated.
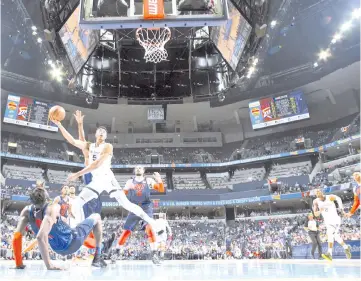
column 77, row 210
column 330, row 251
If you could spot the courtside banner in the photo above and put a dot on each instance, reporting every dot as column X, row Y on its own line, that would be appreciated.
column 161, row 202
column 304, row 251
column 153, row 9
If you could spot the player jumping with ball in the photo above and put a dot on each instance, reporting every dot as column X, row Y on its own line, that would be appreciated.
column 103, row 179
column 325, row 204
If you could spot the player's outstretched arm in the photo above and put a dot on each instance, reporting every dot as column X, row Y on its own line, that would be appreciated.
column 315, row 210
column 157, row 184
column 56, row 200
column 338, row 200
column 128, row 186
column 77, row 143
column 49, row 220
column 18, row 238
column 107, row 152
column 79, row 117
column 356, row 204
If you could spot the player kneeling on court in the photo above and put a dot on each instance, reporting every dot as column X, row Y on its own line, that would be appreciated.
column 50, row 229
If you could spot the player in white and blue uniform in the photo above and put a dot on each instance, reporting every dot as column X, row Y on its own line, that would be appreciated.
column 103, row 179
column 325, row 205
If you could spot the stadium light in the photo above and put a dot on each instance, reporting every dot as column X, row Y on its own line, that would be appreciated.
column 356, row 14
column 336, row 38
column 324, row 54
column 273, row 23
column 315, row 64
column 89, row 99
column 33, row 28
column 34, row 33
column 221, row 97
column 346, row 26
column 39, row 40
column 251, row 70
column 56, row 74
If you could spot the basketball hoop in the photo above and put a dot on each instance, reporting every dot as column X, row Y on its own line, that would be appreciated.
column 153, row 41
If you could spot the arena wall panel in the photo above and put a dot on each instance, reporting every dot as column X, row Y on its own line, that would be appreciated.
column 304, row 251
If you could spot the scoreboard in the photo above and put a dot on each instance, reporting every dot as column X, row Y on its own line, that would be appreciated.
column 28, row 112
column 273, row 111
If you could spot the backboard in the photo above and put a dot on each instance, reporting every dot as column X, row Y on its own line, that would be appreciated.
column 123, row 14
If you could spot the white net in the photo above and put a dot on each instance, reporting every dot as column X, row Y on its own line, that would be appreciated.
column 153, row 41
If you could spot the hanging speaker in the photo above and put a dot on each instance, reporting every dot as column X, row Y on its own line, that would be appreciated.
column 49, row 35
column 261, row 30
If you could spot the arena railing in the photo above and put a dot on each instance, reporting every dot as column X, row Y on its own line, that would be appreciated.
column 158, row 202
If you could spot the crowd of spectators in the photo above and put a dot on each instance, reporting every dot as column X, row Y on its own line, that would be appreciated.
column 290, row 169
column 203, row 238
column 188, row 181
column 255, row 147
column 345, row 171
column 192, row 181
column 279, row 143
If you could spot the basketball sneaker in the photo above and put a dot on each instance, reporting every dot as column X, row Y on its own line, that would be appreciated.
column 155, row 258
column 327, row 256
column 99, row 262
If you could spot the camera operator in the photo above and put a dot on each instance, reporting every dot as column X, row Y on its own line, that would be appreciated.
column 312, row 226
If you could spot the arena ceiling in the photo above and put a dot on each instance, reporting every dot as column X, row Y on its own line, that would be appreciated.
column 303, row 28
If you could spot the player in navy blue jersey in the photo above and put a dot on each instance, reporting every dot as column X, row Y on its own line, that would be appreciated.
column 138, row 191
column 63, row 201
column 52, row 229
column 356, row 194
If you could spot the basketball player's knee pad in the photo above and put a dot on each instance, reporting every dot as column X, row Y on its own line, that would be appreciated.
column 123, row 238
column 150, row 233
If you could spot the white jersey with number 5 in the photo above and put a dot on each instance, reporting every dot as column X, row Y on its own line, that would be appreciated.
column 94, row 154
column 328, row 210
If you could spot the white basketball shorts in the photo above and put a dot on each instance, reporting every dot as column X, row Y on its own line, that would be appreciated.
column 106, row 182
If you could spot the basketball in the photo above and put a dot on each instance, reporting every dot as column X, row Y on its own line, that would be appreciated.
column 57, row 112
